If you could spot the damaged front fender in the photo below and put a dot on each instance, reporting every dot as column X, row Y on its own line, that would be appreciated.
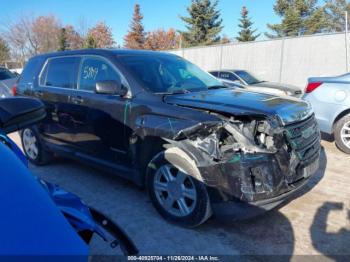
column 171, row 128
column 226, row 137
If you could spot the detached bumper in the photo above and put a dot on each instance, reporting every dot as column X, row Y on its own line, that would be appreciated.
column 239, row 206
column 243, row 210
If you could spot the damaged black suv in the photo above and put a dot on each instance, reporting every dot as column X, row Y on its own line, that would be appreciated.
column 160, row 121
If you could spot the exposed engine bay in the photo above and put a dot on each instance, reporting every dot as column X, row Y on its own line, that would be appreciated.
column 253, row 158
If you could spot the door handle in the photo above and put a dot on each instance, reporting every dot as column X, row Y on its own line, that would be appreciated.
column 38, row 93
column 77, row 100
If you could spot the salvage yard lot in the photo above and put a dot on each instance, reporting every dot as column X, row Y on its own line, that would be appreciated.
column 316, row 223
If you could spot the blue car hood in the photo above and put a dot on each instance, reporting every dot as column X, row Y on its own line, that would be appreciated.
column 241, row 102
column 30, row 223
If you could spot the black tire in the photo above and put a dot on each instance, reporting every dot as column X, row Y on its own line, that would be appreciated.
column 339, row 126
column 201, row 209
column 43, row 156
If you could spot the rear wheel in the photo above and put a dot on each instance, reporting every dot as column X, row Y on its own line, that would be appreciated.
column 175, row 192
column 342, row 134
column 33, row 147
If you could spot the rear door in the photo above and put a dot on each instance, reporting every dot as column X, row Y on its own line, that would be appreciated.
column 57, row 83
column 101, row 133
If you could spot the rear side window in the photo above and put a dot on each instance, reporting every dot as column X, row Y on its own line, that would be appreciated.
column 61, row 72
column 31, row 70
column 228, row 76
column 5, row 74
column 95, row 70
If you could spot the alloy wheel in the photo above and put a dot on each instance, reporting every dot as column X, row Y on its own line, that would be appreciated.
column 175, row 190
column 345, row 134
column 30, row 144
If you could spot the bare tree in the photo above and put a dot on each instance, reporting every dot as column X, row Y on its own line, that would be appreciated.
column 225, row 39
column 46, row 31
column 30, row 36
column 74, row 39
column 82, row 27
column 101, row 35
column 20, row 38
column 161, row 39
column 4, row 52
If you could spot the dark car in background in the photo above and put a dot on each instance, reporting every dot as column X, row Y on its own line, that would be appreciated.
column 160, row 121
column 7, row 81
column 247, row 80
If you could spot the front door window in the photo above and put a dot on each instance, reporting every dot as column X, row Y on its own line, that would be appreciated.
column 95, row 70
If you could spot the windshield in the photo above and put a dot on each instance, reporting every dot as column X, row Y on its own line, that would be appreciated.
column 247, row 77
column 169, row 74
column 5, row 74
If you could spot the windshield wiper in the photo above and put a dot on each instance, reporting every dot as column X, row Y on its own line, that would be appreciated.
column 175, row 92
column 217, row 87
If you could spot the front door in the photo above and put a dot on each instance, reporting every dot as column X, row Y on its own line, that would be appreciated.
column 101, row 133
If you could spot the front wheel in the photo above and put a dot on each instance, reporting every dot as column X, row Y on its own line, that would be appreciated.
column 175, row 192
column 342, row 134
column 33, row 147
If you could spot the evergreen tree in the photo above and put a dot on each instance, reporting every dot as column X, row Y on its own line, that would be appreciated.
column 203, row 24
column 62, row 40
column 299, row 17
column 136, row 36
column 317, row 22
column 90, row 42
column 335, row 12
column 4, row 52
column 246, row 34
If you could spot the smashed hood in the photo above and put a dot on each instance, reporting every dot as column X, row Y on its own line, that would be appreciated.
column 242, row 102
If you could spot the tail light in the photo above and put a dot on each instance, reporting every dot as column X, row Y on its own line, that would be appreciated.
column 312, row 86
column 14, row 90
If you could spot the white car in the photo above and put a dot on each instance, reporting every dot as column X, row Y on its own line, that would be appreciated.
column 245, row 79
column 330, row 99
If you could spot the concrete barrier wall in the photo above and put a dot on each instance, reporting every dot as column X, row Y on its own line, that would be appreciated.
column 313, row 56
column 289, row 60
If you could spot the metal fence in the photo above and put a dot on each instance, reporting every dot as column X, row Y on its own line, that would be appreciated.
column 287, row 60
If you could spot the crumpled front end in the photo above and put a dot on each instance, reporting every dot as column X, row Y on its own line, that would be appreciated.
column 254, row 160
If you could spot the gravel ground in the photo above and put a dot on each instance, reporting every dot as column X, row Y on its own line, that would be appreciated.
column 318, row 222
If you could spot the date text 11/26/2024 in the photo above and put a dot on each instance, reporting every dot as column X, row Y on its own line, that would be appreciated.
column 173, row 258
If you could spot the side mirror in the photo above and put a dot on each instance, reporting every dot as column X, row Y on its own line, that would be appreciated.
column 110, row 87
column 19, row 112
